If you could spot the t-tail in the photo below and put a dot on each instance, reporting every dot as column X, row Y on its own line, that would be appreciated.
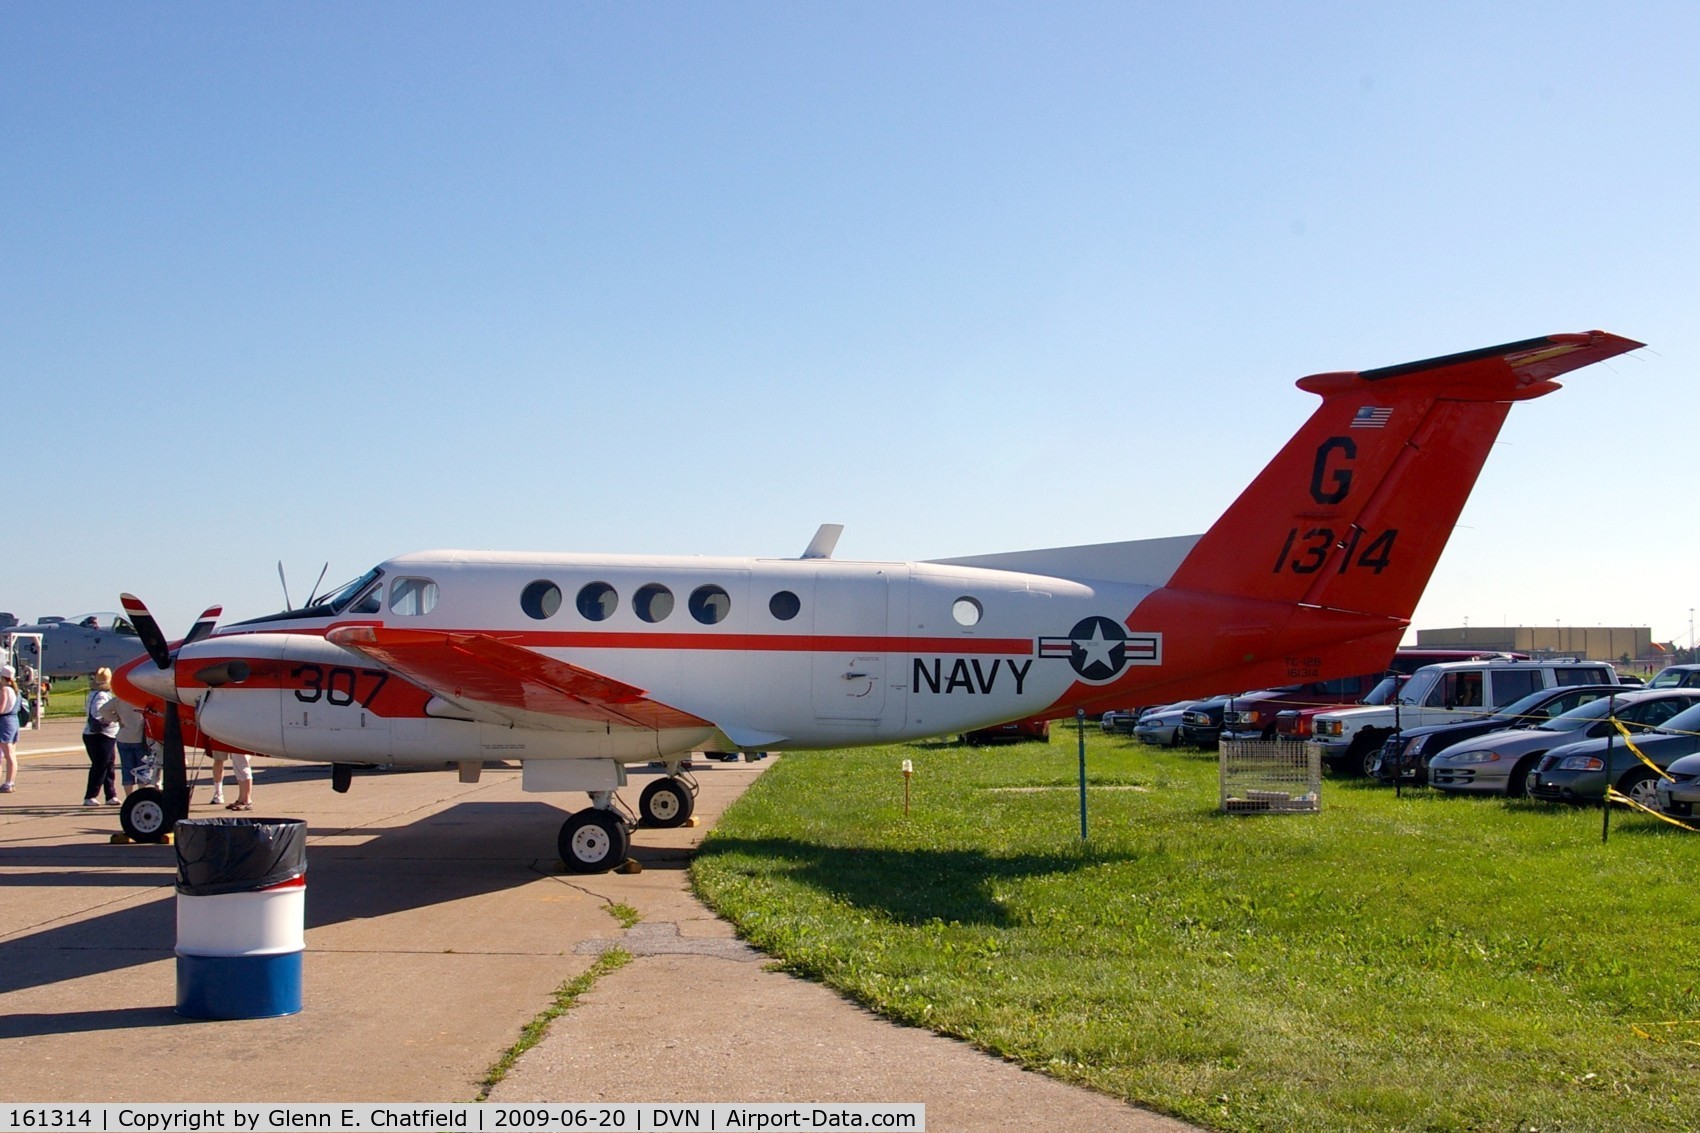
column 1331, row 545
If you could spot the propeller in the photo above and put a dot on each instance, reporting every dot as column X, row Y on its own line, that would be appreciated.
column 175, row 774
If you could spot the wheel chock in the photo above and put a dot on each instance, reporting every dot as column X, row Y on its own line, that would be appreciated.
column 119, row 839
column 692, row 820
column 630, row 865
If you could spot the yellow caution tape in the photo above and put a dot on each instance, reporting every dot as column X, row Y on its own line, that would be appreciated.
column 1615, row 796
column 1629, row 741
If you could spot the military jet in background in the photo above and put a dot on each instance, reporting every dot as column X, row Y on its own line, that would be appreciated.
column 76, row 647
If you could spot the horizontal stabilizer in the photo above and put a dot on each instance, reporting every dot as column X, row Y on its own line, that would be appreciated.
column 1142, row 562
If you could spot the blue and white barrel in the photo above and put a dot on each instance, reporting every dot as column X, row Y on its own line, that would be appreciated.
column 241, row 916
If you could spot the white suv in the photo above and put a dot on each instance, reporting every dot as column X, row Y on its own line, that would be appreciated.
column 1440, row 694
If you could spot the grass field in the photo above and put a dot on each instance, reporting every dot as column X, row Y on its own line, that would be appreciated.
column 1392, row 963
column 69, row 695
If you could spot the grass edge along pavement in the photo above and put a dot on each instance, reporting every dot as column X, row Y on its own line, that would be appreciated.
column 1394, row 962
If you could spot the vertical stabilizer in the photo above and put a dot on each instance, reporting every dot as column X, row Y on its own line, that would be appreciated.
column 1353, row 513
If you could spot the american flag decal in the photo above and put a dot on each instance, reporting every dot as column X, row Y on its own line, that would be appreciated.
column 1371, row 417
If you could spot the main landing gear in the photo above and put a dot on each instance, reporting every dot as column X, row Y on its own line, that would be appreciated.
column 598, row 838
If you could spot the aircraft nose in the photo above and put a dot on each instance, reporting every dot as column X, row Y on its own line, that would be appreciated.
column 149, row 678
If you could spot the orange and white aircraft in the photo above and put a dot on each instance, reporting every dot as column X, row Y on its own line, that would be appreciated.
column 580, row 665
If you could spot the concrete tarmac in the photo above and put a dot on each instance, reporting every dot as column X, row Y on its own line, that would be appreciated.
column 438, row 923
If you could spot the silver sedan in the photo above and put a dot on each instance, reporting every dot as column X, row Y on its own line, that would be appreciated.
column 1499, row 762
column 1161, row 725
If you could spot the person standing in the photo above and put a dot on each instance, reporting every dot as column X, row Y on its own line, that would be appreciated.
column 10, row 700
column 217, row 778
column 135, row 761
column 243, row 765
column 100, row 740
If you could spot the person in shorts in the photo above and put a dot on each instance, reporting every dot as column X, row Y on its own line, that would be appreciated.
column 11, row 699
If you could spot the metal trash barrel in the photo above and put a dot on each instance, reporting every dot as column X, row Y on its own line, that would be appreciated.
column 241, row 911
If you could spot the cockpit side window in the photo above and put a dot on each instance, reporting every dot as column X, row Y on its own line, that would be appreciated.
column 410, row 597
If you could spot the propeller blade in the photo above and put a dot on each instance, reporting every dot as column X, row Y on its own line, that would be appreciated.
column 174, row 778
column 285, row 582
column 147, row 629
column 203, row 624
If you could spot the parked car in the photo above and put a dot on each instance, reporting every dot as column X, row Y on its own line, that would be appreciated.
column 1014, row 732
column 1441, row 694
column 1405, row 755
column 1679, row 794
column 1579, row 772
column 1501, row 763
column 1676, row 676
column 1161, row 725
column 1201, row 724
column 1119, row 721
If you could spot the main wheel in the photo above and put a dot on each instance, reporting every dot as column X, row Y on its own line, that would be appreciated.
column 144, row 816
column 593, row 841
column 666, row 803
column 1641, row 786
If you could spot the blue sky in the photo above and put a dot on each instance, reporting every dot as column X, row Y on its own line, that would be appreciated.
column 333, row 282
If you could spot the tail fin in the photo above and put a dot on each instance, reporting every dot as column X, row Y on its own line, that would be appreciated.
column 1353, row 513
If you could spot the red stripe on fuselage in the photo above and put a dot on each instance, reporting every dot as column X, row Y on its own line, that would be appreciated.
column 733, row 642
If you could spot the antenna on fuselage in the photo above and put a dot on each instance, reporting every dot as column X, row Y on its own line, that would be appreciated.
column 824, row 542
column 287, row 605
column 315, row 591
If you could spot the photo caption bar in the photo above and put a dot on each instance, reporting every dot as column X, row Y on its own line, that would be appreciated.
column 475, row 1117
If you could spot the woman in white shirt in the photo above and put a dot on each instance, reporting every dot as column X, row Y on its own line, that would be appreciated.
column 100, row 740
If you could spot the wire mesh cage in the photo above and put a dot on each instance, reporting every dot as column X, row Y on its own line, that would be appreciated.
column 1270, row 777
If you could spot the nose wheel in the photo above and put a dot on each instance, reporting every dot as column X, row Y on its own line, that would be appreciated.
column 593, row 841
column 145, row 816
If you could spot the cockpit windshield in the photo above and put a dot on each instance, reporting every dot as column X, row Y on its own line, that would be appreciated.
column 339, row 599
column 357, row 597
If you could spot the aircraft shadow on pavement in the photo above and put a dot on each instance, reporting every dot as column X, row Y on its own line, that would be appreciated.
column 910, row 886
column 467, row 850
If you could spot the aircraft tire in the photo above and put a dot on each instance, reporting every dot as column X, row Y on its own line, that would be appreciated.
column 144, row 816
column 666, row 803
column 593, row 841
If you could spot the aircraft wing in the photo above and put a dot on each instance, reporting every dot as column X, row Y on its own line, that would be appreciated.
column 479, row 669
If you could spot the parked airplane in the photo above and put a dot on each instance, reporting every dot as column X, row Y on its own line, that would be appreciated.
column 76, row 647
column 580, row 665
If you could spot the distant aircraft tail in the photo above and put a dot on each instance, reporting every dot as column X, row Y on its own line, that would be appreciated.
column 1353, row 513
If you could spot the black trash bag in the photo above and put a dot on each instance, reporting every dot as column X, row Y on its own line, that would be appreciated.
column 238, row 855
